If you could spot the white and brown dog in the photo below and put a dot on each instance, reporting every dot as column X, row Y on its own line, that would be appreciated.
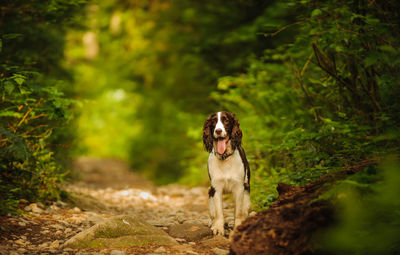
column 228, row 168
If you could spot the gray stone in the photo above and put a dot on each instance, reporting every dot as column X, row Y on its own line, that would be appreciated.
column 181, row 219
column 35, row 209
column 52, row 208
column 21, row 250
column 76, row 209
column 120, row 232
column 55, row 244
column 215, row 241
column 22, row 224
column 181, row 240
column 160, row 250
column 43, row 245
column 219, row 251
column 57, row 226
column 189, row 231
column 85, row 202
column 60, row 204
column 117, row 252
column 20, row 242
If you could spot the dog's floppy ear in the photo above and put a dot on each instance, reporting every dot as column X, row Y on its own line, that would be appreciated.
column 236, row 133
column 207, row 134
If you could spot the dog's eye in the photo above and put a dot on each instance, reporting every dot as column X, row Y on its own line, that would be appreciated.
column 224, row 119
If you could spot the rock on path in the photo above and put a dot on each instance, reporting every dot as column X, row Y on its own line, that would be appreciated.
column 120, row 232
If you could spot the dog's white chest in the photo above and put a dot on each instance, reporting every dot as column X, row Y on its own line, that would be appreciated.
column 226, row 173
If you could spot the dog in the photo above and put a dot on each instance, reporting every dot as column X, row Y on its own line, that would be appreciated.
column 228, row 168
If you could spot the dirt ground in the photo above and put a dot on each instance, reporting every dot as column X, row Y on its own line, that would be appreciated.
column 287, row 227
column 108, row 188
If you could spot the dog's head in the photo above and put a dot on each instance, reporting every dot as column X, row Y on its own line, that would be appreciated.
column 221, row 129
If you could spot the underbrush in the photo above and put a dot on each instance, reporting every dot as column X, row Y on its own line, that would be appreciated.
column 29, row 115
column 35, row 101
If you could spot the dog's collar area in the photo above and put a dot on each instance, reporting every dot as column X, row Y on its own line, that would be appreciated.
column 222, row 156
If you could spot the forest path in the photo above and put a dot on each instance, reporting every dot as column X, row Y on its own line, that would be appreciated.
column 108, row 188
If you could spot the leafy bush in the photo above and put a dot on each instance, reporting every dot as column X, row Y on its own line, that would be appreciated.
column 29, row 114
column 32, row 104
column 324, row 100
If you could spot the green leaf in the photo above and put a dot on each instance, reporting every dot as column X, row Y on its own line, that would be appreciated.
column 316, row 13
column 356, row 16
column 9, row 87
column 57, row 104
column 372, row 21
column 10, row 114
column 371, row 59
column 19, row 79
column 11, row 36
column 387, row 48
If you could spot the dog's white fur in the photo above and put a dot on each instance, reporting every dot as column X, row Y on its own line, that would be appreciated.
column 219, row 125
column 227, row 175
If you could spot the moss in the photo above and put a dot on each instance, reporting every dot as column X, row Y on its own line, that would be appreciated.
column 120, row 232
column 123, row 242
column 119, row 228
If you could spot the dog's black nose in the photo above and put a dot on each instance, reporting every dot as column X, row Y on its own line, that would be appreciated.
column 218, row 131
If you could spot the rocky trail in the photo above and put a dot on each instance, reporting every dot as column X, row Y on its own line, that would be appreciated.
column 113, row 211
column 116, row 211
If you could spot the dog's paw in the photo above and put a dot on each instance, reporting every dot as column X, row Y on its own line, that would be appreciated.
column 238, row 221
column 218, row 228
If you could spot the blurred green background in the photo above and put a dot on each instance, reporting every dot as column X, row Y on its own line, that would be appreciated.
column 145, row 73
column 315, row 85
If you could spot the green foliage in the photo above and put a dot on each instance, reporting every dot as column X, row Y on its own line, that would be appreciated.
column 326, row 99
column 368, row 206
column 167, row 58
column 314, row 84
column 32, row 104
column 28, row 117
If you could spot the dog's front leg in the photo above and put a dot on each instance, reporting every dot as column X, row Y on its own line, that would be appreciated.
column 218, row 222
column 211, row 203
column 242, row 204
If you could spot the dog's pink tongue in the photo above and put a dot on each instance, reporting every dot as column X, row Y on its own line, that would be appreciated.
column 221, row 146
